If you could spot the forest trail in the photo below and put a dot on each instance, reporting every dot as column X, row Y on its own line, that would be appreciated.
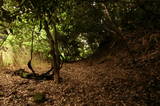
column 82, row 84
column 117, row 40
column 99, row 84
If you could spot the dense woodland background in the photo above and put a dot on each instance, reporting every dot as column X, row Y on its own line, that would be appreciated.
column 101, row 52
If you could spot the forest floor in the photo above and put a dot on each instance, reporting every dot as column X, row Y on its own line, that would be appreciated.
column 99, row 82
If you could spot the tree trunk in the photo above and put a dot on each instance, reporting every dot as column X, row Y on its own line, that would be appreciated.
column 116, row 30
column 54, row 50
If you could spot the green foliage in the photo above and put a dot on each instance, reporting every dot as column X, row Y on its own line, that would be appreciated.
column 81, row 25
column 39, row 97
column 131, row 14
column 1, row 94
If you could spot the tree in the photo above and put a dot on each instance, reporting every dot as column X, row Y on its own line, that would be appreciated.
column 43, row 12
column 75, row 29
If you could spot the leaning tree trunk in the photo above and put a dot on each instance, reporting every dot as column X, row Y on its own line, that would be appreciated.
column 116, row 30
column 54, row 50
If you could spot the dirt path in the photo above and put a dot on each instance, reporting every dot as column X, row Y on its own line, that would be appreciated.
column 97, row 85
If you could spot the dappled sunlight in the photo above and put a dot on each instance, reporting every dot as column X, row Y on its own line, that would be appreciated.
column 79, row 53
